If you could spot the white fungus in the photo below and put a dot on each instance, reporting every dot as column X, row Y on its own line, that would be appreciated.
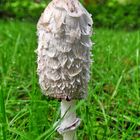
column 64, row 31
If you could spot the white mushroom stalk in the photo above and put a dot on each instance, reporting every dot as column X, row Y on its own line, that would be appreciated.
column 64, row 31
column 69, row 122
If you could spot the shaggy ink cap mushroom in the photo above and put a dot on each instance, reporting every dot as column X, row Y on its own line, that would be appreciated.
column 64, row 31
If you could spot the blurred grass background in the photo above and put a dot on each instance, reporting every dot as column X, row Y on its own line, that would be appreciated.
column 112, row 109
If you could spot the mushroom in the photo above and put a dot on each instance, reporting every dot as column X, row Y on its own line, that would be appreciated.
column 64, row 30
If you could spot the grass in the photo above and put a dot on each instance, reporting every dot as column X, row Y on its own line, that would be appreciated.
column 112, row 109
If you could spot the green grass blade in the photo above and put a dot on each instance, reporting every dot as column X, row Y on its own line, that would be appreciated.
column 3, row 114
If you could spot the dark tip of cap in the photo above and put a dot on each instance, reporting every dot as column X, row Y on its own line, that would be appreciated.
column 68, row 98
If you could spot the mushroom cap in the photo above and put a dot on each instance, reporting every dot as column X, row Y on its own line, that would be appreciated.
column 64, row 31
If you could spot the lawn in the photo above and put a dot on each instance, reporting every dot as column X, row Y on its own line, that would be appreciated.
column 112, row 109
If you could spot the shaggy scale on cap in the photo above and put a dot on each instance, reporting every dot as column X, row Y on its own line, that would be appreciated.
column 64, row 31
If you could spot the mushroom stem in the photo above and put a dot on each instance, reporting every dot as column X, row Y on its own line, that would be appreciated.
column 69, row 121
column 69, row 136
